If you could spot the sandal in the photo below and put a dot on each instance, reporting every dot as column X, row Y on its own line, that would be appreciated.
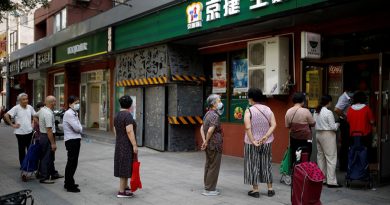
column 271, row 193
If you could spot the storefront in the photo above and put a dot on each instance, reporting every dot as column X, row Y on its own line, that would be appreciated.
column 81, row 68
column 269, row 45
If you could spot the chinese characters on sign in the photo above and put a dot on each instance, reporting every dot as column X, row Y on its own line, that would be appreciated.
column 214, row 10
column 231, row 7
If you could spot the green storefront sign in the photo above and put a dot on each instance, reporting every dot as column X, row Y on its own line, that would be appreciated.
column 85, row 47
column 196, row 16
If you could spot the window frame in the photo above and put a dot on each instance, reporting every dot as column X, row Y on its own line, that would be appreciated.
column 60, row 20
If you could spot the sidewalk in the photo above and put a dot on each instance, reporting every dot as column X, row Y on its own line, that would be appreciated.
column 168, row 178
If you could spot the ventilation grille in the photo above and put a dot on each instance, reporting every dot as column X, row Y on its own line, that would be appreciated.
column 257, row 54
column 256, row 78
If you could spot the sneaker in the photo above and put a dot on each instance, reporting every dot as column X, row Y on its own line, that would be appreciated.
column 46, row 181
column 124, row 194
column 210, row 193
column 128, row 190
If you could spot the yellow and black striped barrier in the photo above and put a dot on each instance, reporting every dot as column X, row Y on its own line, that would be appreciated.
column 185, row 120
column 186, row 78
column 142, row 81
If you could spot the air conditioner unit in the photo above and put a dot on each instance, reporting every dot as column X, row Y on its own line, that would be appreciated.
column 268, row 64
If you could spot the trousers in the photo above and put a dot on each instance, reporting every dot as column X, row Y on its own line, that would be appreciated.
column 46, row 167
column 327, row 155
column 211, row 170
column 24, row 142
column 73, row 148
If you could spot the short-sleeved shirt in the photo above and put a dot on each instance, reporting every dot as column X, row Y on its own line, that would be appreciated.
column 46, row 119
column 212, row 119
column 299, row 120
column 260, row 123
column 359, row 117
column 343, row 103
column 22, row 116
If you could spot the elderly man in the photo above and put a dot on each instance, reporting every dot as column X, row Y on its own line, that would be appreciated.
column 47, row 141
column 23, row 114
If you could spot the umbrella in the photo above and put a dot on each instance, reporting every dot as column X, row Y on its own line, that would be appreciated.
column 135, row 182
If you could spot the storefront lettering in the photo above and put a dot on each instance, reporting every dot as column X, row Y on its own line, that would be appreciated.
column 27, row 63
column 214, row 10
column 13, row 67
column 43, row 58
column 231, row 7
column 78, row 48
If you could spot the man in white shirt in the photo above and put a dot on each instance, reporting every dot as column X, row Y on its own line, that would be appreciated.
column 72, row 138
column 23, row 114
column 47, row 140
column 340, row 109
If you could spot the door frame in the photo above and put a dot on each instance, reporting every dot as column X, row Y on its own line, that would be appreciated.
column 347, row 59
column 383, row 135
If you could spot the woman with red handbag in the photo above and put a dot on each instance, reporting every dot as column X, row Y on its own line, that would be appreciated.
column 125, row 146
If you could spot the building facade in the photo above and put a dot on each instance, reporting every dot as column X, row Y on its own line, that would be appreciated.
column 16, row 32
column 171, row 56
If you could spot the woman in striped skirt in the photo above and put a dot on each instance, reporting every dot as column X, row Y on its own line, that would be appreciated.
column 259, row 125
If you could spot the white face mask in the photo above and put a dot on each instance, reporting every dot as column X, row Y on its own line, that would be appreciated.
column 220, row 108
column 76, row 107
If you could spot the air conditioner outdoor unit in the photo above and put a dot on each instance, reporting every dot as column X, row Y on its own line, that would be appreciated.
column 268, row 64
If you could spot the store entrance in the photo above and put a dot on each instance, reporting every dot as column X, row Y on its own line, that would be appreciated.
column 369, row 74
column 384, row 122
column 94, row 100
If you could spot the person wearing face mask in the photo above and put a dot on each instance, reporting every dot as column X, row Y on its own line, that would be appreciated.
column 212, row 136
column 72, row 138
column 260, row 124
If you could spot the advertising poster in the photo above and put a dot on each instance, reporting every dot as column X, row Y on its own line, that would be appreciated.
column 219, row 77
column 133, row 109
column 240, row 75
column 237, row 110
column 3, row 45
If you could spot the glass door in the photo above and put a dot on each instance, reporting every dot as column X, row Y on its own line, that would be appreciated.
column 83, row 105
column 103, row 107
column 384, row 122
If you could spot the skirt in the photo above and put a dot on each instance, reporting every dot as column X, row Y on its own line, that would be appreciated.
column 257, row 164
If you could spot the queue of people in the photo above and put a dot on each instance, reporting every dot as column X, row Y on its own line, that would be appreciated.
column 259, row 121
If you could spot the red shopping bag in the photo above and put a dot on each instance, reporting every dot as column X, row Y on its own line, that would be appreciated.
column 135, row 182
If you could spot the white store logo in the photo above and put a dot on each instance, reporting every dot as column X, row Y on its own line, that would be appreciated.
column 77, row 48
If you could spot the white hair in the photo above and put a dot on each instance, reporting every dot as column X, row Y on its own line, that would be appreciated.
column 21, row 95
column 212, row 99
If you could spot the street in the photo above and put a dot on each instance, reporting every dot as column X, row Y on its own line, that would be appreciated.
column 168, row 178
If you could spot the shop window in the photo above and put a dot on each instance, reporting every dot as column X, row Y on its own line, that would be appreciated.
column 59, row 90
column 229, row 74
column 313, row 79
column 39, row 91
column 60, row 21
